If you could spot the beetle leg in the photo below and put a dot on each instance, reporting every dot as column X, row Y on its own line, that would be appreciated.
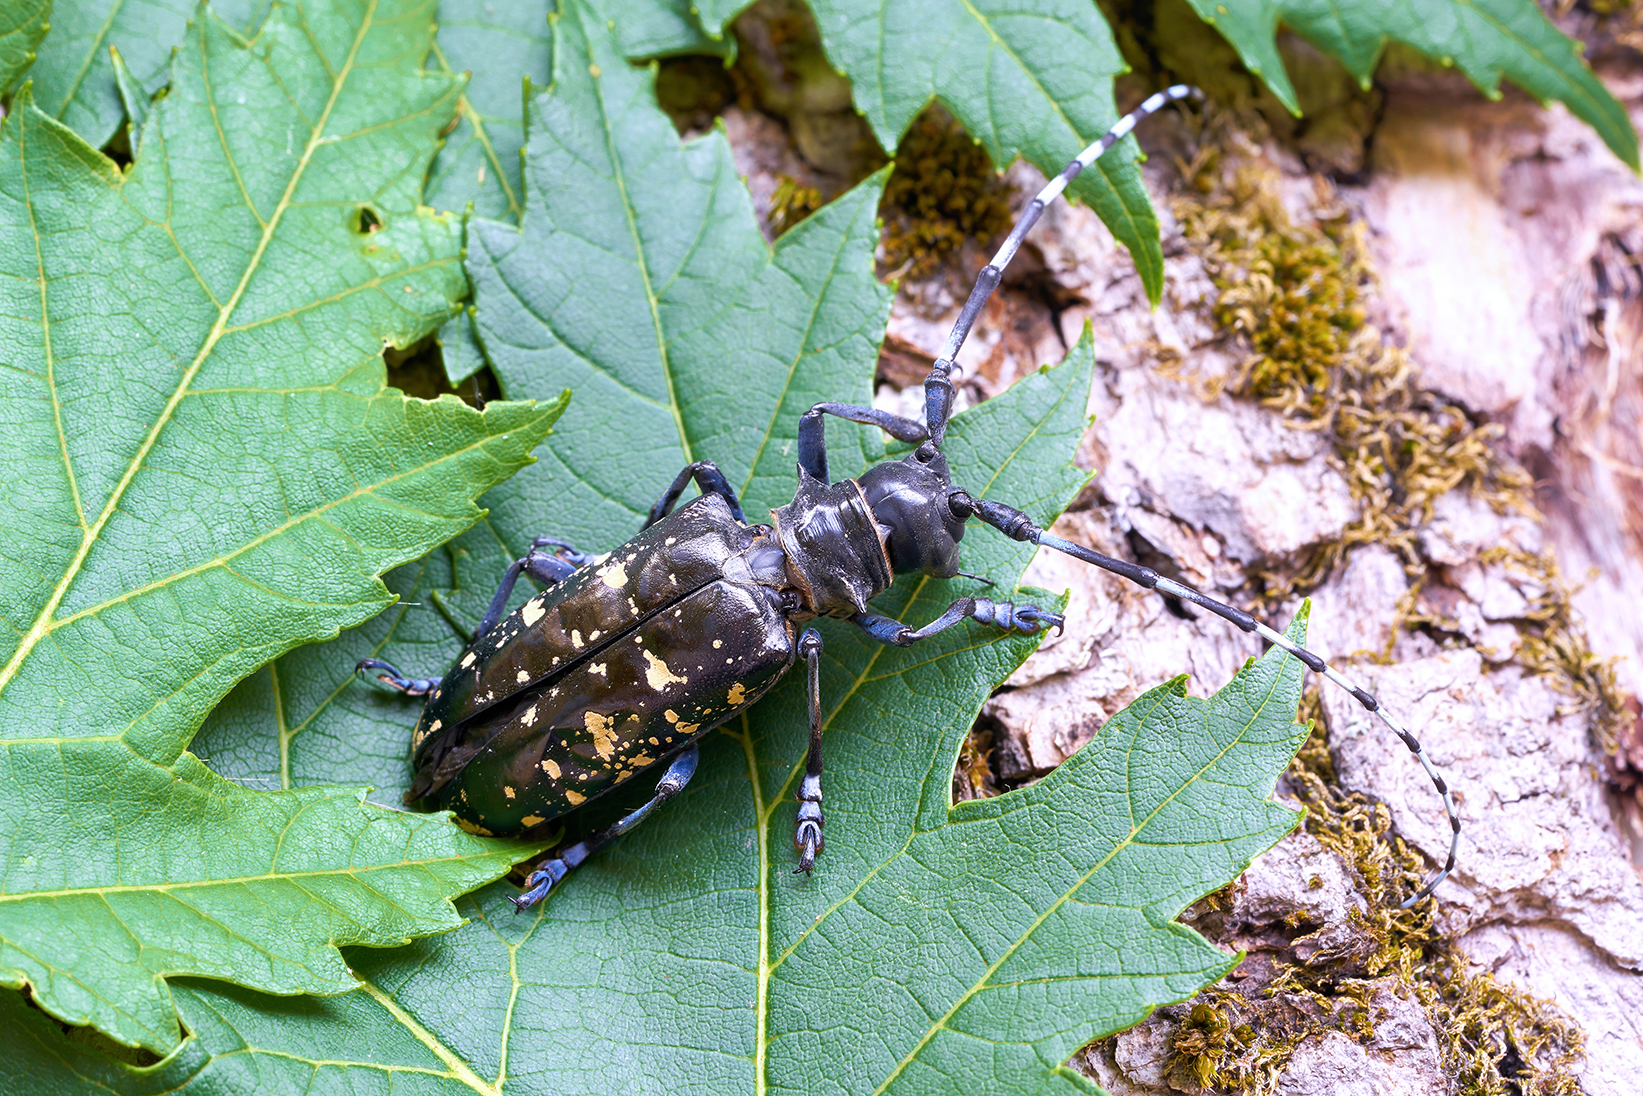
column 551, row 871
column 807, row 837
column 813, row 439
column 547, row 568
column 708, row 479
column 1003, row 615
column 385, row 673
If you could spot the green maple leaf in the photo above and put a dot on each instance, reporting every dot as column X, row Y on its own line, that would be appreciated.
column 936, row 948
column 22, row 26
column 501, row 47
column 1485, row 39
column 205, row 469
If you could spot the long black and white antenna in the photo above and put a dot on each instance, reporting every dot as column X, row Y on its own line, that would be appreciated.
column 938, row 397
column 938, row 387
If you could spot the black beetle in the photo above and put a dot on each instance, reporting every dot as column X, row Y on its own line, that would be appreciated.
column 626, row 660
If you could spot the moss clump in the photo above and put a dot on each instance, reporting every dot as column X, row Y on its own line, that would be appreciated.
column 1496, row 1040
column 792, row 202
column 1553, row 648
column 943, row 192
column 1294, row 294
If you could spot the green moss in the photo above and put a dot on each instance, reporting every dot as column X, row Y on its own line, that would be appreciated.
column 943, row 192
column 792, row 202
column 1294, row 294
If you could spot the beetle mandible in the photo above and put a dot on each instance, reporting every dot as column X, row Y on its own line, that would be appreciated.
column 625, row 661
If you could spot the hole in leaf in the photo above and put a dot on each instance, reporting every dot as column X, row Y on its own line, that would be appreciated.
column 419, row 370
column 364, row 221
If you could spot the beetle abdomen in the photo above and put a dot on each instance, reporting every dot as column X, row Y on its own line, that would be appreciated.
column 638, row 700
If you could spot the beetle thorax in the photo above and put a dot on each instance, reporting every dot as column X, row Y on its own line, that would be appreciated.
column 835, row 551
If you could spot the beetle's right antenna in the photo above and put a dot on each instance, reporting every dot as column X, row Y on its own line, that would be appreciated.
column 1017, row 525
column 938, row 387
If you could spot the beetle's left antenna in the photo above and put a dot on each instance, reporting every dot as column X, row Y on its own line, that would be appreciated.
column 938, row 387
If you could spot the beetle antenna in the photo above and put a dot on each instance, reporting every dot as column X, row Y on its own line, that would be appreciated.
column 938, row 387
column 1018, row 526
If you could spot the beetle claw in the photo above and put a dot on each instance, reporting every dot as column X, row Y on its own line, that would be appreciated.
column 808, row 840
column 539, row 883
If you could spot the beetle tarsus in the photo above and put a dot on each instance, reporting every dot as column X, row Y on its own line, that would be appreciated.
column 551, row 871
column 385, row 673
column 709, row 480
column 542, row 880
column 807, row 839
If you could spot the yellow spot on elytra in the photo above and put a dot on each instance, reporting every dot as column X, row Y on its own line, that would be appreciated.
column 576, row 639
column 689, row 728
column 658, row 676
column 435, row 725
column 507, row 791
column 737, row 694
column 597, row 668
column 530, row 716
column 613, row 576
column 532, row 820
column 551, row 767
column 672, row 716
column 468, row 660
column 522, row 676
column 604, row 736
column 653, row 741
column 595, row 634
column 670, row 540
column 573, row 798
column 718, row 643
column 532, row 612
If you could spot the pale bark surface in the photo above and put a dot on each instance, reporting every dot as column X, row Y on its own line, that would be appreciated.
column 1507, row 243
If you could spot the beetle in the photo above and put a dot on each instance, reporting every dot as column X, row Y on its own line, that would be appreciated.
column 624, row 661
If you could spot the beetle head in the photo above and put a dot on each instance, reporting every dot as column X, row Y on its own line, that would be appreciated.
column 909, row 498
